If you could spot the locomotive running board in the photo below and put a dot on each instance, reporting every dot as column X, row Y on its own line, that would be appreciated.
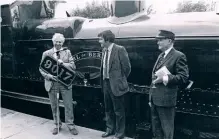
column 30, row 97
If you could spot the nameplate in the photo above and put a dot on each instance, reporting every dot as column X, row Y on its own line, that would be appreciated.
column 65, row 75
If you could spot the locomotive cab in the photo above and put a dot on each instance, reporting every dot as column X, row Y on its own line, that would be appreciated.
column 37, row 20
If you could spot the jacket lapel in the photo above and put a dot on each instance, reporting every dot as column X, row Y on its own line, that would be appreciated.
column 103, row 53
column 169, row 55
column 112, row 55
column 51, row 52
column 63, row 55
column 156, row 62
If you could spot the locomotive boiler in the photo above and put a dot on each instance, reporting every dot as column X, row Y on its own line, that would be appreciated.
column 26, row 34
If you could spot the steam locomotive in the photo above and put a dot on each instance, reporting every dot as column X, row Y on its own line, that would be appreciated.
column 24, row 38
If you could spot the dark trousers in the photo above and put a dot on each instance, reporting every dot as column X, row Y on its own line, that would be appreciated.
column 67, row 100
column 162, row 121
column 115, row 111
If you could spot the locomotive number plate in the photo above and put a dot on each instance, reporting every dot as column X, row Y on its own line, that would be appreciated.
column 65, row 75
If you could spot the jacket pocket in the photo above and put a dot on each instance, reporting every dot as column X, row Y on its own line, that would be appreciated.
column 122, row 83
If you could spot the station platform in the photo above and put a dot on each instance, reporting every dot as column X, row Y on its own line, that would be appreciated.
column 16, row 125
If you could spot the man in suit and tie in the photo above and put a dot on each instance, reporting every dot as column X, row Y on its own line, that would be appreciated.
column 115, row 69
column 53, row 86
column 162, row 97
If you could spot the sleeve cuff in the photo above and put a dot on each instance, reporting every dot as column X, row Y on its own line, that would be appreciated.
column 165, row 80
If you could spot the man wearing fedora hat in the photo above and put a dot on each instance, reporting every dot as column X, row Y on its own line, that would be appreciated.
column 162, row 97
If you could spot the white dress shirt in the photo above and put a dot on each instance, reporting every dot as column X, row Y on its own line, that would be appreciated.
column 167, row 51
column 55, row 54
column 165, row 78
column 104, row 64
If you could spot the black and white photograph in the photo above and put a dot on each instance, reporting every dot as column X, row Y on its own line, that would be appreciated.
column 109, row 69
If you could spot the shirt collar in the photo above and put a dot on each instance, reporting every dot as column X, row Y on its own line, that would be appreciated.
column 55, row 50
column 110, row 47
column 168, row 50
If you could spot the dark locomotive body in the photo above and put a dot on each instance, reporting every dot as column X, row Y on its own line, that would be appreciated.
column 197, row 35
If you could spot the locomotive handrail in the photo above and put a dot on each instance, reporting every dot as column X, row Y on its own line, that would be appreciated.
column 5, row 25
column 134, row 38
column 189, row 85
column 199, row 114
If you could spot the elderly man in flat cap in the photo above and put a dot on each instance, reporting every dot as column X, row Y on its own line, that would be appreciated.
column 163, row 94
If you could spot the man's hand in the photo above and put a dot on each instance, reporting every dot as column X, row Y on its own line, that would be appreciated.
column 159, row 79
column 60, row 62
column 52, row 78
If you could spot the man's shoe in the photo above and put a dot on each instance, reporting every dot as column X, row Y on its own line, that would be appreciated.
column 55, row 131
column 74, row 131
column 106, row 134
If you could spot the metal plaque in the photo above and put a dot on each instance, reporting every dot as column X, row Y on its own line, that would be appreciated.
column 65, row 75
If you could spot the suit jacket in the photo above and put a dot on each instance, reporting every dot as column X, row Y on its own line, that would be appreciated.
column 176, row 63
column 68, row 62
column 119, row 70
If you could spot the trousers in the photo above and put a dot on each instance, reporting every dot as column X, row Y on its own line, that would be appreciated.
column 68, row 105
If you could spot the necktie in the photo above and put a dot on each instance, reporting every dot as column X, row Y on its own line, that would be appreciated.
column 58, row 55
column 106, row 64
column 159, row 61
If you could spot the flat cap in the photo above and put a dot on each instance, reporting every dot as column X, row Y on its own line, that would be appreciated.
column 165, row 34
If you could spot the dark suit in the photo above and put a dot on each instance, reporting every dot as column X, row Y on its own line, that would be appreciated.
column 163, row 98
column 114, row 89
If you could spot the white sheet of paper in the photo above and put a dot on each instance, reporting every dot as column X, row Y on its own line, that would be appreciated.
column 162, row 72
